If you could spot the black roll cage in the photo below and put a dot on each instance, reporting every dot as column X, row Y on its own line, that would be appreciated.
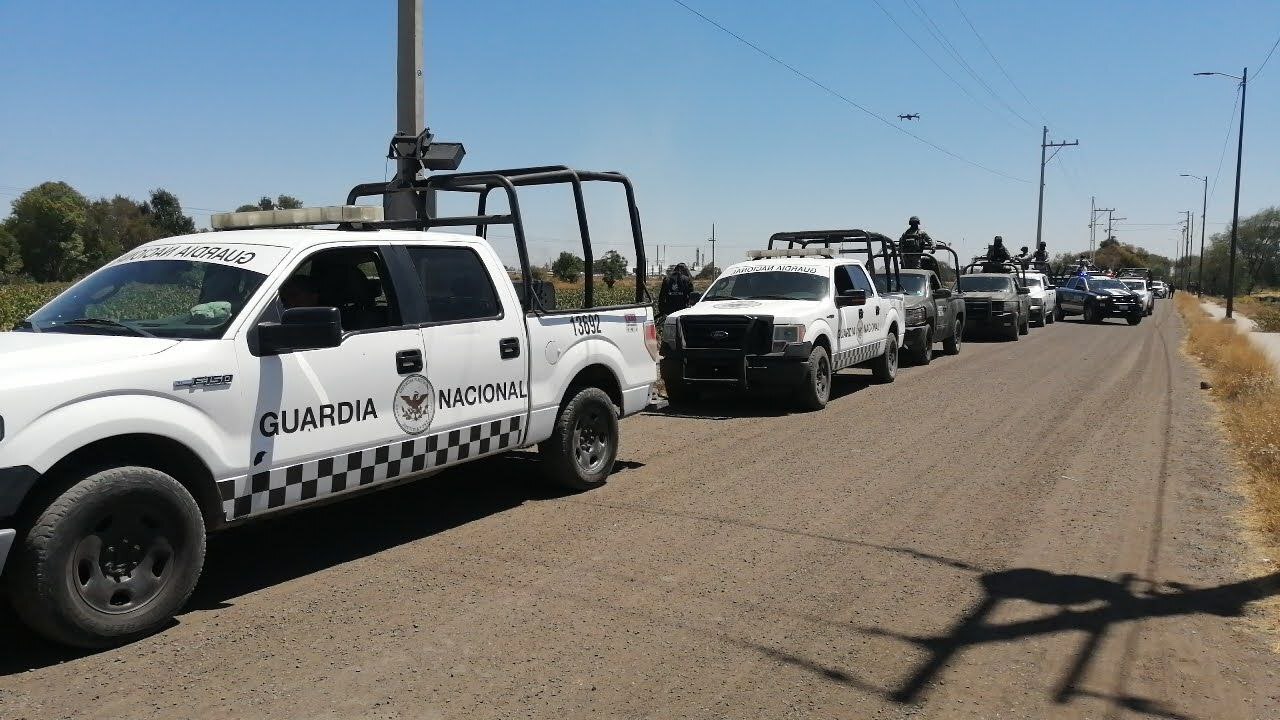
column 483, row 182
column 1011, row 267
column 861, row 240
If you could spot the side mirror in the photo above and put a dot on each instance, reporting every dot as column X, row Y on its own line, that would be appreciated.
column 305, row 328
column 851, row 298
column 1024, row 290
column 942, row 293
column 694, row 297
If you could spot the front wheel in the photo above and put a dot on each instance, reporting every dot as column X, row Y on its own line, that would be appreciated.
column 1051, row 317
column 1025, row 327
column 815, row 391
column 924, row 354
column 952, row 344
column 1042, row 317
column 1058, row 313
column 885, row 367
column 110, row 560
column 580, row 453
column 1134, row 319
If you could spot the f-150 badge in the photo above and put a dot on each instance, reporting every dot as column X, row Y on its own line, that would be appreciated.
column 204, row 382
column 415, row 404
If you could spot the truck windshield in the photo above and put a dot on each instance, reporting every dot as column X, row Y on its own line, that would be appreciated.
column 182, row 299
column 1106, row 284
column 985, row 283
column 1135, row 284
column 911, row 284
column 769, row 285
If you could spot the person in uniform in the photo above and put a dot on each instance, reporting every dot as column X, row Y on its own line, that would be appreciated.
column 913, row 243
column 1042, row 253
column 996, row 251
column 677, row 286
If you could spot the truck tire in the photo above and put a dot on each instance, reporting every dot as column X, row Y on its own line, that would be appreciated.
column 110, row 560
column 1092, row 314
column 885, row 367
column 1015, row 331
column 816, row 390
column 924, row 355
column 1134, row 319
column 1051, row 317
column 680, row 392
column 952, row 344
column 1058, row 313
column 579, row 454
column 1025, row 327
column 1042, row 318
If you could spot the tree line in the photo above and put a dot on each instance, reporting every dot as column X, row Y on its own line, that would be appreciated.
column 56, row 234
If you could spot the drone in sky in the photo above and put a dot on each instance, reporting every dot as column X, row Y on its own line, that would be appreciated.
column 909, row 116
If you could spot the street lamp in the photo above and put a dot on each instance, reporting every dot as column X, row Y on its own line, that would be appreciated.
column 1235, row 212
column 1203, row 208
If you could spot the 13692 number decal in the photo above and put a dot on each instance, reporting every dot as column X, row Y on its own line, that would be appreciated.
column 585, row 324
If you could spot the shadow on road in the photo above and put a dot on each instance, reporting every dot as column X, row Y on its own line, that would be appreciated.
column 259, row 555
column 1121, row 602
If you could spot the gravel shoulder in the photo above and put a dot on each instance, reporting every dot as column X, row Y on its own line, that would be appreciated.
column 1060, row 540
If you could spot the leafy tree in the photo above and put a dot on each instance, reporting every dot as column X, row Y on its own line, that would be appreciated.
column 165, row 214
column 708, row 272
column 47, row 223
column 568, row 267
column 10, row 256
column 1258, row 248
column 113, row 226
column 612, row 267
column 282, row 202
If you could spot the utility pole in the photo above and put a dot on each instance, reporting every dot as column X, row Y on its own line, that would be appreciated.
column 409, row 108
column 1044, row 143
column 1093, row 222
column 1235, row 208
column 713, row 245
column 1191, row 233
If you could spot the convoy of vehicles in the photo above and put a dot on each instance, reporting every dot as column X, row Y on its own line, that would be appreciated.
column 204, row 381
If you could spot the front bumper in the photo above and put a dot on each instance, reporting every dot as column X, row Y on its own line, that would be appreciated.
column 737, row 369
column 1115, row 310
column 915, row 336
column 998, row 319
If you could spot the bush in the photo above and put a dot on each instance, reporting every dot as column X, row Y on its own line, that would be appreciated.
column 19, row 301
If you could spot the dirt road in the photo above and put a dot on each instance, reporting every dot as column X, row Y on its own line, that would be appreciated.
column 1032, row 529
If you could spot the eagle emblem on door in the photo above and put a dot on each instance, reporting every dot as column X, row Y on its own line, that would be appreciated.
column 414, row 404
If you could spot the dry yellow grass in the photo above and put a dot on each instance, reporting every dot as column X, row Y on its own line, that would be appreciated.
column 1245, row 383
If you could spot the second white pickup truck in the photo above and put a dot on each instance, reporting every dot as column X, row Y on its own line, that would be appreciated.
column 786, row 318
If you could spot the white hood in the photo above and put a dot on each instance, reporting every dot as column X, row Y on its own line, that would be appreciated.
column 781, row 310
column 27, row 351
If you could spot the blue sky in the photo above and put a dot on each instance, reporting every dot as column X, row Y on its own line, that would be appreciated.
column 224, row 102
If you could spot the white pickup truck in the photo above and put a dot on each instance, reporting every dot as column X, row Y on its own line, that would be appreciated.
column 202, row 381
column 786, row 318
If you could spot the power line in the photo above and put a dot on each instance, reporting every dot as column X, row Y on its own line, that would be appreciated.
column 1268, row 59
column 936, row 64
column 996, row 60
column 1231, row 126
column 816, row 83
column 947, row 45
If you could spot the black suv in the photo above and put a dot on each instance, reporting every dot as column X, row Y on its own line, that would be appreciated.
column 1099, row 298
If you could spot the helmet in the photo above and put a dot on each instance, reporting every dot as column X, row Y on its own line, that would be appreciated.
column 914, row 220
column 999, row 239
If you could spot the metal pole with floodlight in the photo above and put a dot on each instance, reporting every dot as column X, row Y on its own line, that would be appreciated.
column 1235, row 212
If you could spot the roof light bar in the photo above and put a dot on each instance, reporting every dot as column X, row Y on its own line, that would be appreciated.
column 794, row 252
column 300, row 217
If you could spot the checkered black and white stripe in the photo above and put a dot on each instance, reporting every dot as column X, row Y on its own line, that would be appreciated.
column 285, row 486
column 847, row 358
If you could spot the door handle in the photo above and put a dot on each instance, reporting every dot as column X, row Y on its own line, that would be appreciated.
column 860, row 312
column 408, row 361
column 509, row 348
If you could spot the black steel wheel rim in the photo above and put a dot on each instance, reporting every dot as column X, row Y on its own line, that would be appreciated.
column 821, row 379
column 891, row 354
column 591, row 439
column 127, row 559
column 928, row 344
column 959, row 338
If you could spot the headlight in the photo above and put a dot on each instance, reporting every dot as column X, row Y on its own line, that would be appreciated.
column 788, row 333
column 671, row 332
column 917, row 316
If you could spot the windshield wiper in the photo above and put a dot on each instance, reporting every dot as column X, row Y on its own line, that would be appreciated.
column 721, row 297
column 27, row 325
column 103, row 322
